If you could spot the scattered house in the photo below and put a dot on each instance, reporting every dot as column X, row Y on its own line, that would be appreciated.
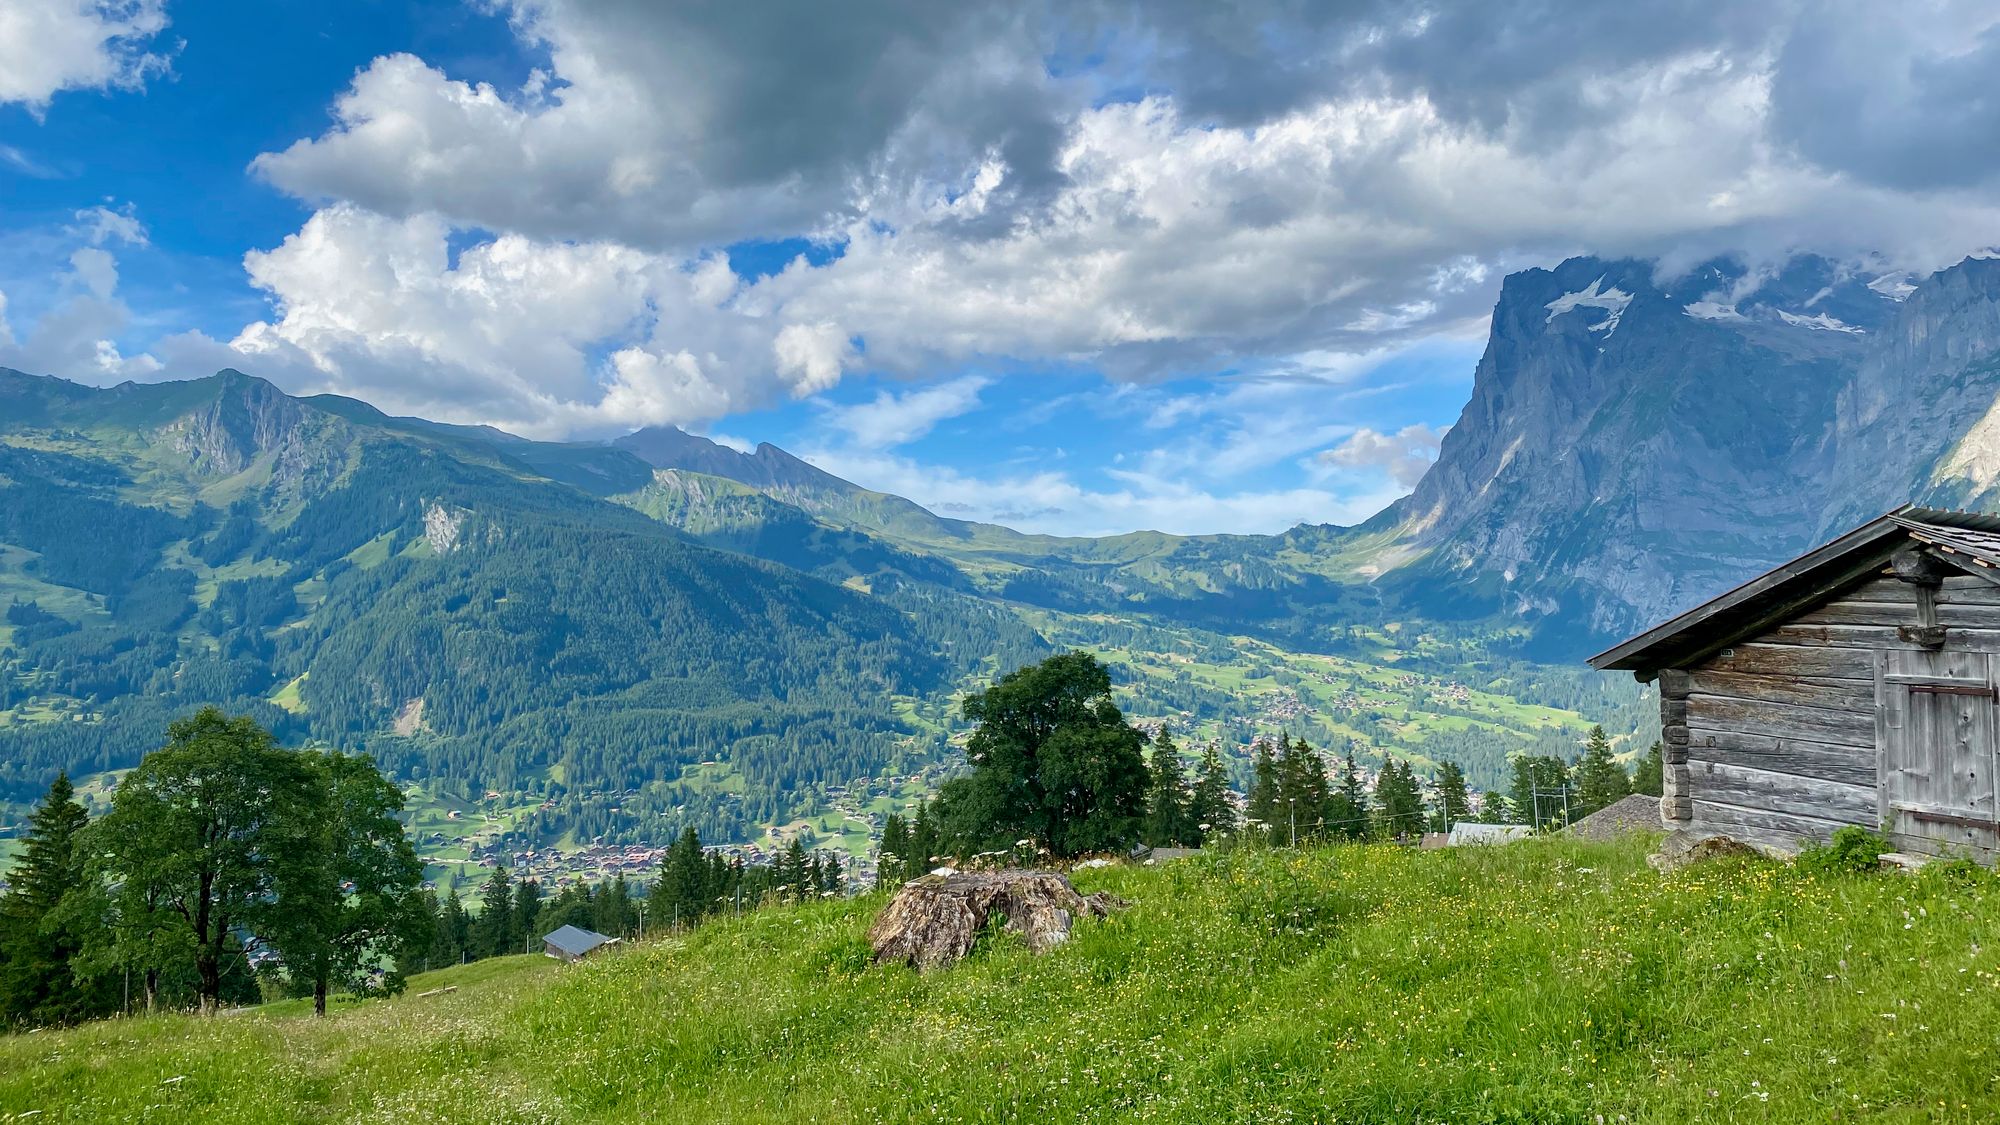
column 1466, row 832
column 1856, row 684
column 573, row 943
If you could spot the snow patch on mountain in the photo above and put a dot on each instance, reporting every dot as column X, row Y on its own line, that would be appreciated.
column 1712, row 310
column 1895, row 286
column 1821, row 323
column 1613, row 301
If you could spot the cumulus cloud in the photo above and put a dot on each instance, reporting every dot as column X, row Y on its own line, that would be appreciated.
column 76, row 333
column 1403, row 456
column 48, row 46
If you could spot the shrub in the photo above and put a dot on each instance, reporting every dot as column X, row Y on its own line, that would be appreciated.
column 1853, row 850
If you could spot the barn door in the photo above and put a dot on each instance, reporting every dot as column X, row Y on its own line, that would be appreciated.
column 1935, row 730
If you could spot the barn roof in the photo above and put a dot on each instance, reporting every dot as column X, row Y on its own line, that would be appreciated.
column 575, row 940
column 1792, row 587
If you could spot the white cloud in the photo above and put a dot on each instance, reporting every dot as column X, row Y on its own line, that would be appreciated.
column 891, row 419
column 76, row 333
column 48, row 46
column 1403, row 456
column 1053, row 503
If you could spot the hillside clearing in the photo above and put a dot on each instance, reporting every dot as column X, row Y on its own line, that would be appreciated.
column 1550, row 981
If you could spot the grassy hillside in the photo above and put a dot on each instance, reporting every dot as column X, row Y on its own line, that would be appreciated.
column 1550, row 981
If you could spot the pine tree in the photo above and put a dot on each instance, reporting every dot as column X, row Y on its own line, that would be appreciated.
column 1649, row 777
column 1168, row 822
column 1302, row 790
column 1600, row 780
column 1493, row 808
column 1453, row 804
column 1347, row 809
column 892, row 858
column 1214, row 813
column 830, row 880
column 528, row 909
column 925, row 844
column 452, row 941
column 494, row 934
column 39, row 951
column 1399, row 803
column 1261, row 809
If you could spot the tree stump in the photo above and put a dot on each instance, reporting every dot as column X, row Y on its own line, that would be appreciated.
column 936, row 919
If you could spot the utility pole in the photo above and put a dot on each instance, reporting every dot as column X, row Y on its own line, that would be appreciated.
column 1292, row 803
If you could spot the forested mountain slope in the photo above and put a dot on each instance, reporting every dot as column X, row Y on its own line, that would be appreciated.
column 423, row 595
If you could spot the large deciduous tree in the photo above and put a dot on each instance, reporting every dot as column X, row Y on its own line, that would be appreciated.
column 194, row 839
column 351, row 905
column 1053, row 760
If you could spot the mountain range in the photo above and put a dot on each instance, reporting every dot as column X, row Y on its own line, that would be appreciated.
column 573, row 641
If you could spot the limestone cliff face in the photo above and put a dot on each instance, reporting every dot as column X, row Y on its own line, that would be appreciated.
column 1919, row 420
column 1633, row 445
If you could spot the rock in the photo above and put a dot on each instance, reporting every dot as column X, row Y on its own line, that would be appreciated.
column 934, row 920
column 1683, row 848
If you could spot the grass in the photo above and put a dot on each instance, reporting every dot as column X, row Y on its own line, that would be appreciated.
column 1541, row 982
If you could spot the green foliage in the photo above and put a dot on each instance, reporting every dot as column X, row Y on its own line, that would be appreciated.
column 1649, row 777
column 1399, row 801
column 199, row 842
column 1452, row 802
column 42, row 970
column 1052, row 760
column 1598, row 778
column 1536, row 795
column 1852, row 850
column 1170, row 812
column 1549, row 981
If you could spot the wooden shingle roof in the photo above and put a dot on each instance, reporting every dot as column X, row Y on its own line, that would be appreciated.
column 1969, row 539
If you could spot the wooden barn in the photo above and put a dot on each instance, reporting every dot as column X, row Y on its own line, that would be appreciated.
column 1856, row 684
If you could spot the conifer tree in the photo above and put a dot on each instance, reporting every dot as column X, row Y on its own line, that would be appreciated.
column 494, row 934
column 1648, row 778
column 1600, row 780
column 1302, row 789
column 1399, row 803
column 1493, row 808
column 528, row 909
column 892, row 858
column 1169, row 803
column 1347, row 809
column 1453, row 803
column 1261, row 808
column 39, row 949
column 1214, row 813
column 1536, row 795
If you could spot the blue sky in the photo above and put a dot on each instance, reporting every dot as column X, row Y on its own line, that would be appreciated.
column 1076, row 268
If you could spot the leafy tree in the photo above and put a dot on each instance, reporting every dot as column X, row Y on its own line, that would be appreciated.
column 1599, row 778
column 494, row 933
column 1169, row 802
column 1648, row 778
column 194, row 837
column 1453, row 804
column 39, row 950
column 1213, row 812
column 1052, row 760
column 348, row 903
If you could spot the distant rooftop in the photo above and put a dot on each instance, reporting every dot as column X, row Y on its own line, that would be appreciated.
column 575, row 941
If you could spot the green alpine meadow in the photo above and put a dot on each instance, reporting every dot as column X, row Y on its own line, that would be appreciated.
column 1549, row 981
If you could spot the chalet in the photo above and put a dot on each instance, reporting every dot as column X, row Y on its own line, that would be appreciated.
column 1857, row 684
column 574, row 943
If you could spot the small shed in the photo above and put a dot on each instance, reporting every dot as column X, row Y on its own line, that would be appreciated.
column 573, row 943
column 1467, row 832
column 1857, row 684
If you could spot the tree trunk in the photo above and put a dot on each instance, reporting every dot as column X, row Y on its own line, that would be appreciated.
column 319, row 996
column 209, row 968
column 152, row 987
column 937, row 919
